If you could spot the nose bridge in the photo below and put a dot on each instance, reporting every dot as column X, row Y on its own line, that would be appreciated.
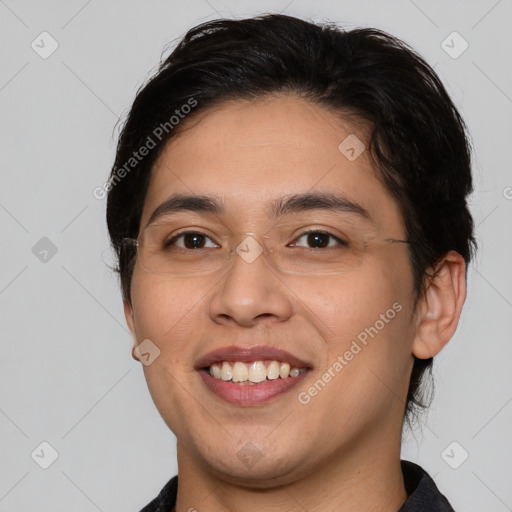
column 250, row 258
column 250, row 246
column 249, row 288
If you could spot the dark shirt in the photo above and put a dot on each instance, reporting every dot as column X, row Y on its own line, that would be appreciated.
column 423, row 494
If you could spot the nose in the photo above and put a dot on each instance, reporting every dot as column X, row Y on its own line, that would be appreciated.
column 252, row 290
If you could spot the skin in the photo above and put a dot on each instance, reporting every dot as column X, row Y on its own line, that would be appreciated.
column 326, row 454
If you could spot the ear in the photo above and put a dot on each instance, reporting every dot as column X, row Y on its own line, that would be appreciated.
column 438, row 311
column 130, row 320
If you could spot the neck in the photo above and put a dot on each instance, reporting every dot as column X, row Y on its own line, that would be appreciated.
column 355, row 480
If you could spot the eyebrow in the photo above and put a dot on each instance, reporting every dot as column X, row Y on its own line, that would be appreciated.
column 294, row 203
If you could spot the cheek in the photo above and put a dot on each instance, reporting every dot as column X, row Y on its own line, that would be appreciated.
column 367, row 317
column 166, row 312
column 162, row 305
column 377, row 342
column 349, row 303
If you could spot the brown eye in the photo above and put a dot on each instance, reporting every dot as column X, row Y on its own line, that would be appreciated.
column 190, row 240
column 320, row 240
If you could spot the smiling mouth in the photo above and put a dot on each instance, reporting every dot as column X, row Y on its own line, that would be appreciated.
column 251, row 376
column 242, row 373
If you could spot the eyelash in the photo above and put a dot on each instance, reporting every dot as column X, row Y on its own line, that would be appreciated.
column 341, row 242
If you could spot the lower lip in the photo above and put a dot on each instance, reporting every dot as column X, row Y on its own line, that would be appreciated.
column 247, row 394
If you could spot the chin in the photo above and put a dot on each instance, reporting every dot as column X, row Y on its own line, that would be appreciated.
column 256, row 468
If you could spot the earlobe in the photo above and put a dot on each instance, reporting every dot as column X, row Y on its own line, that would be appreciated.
column 130, row 321
column 440, row 307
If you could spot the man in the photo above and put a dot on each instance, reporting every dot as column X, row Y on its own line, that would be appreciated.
column 288, row 209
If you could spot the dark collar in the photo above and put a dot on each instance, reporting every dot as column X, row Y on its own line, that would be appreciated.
column 423, row 494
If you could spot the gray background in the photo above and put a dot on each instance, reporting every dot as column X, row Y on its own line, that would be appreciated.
column 66, row 374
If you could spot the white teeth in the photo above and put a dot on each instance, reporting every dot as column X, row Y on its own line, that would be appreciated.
column 240, row 372
column 284, row 370
column 254, row 372
column 273, row 370
column 215, row 371
column 225, row 373
column 257, row 372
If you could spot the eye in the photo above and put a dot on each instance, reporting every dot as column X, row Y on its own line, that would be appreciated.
column 190, row 240
column 320, row 239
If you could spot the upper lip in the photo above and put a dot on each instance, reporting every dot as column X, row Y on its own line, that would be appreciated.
column 248, row 354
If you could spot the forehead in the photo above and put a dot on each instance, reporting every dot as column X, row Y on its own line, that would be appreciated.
column 249, row 152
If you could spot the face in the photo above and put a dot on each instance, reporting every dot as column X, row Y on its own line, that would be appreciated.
column 347, row 334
